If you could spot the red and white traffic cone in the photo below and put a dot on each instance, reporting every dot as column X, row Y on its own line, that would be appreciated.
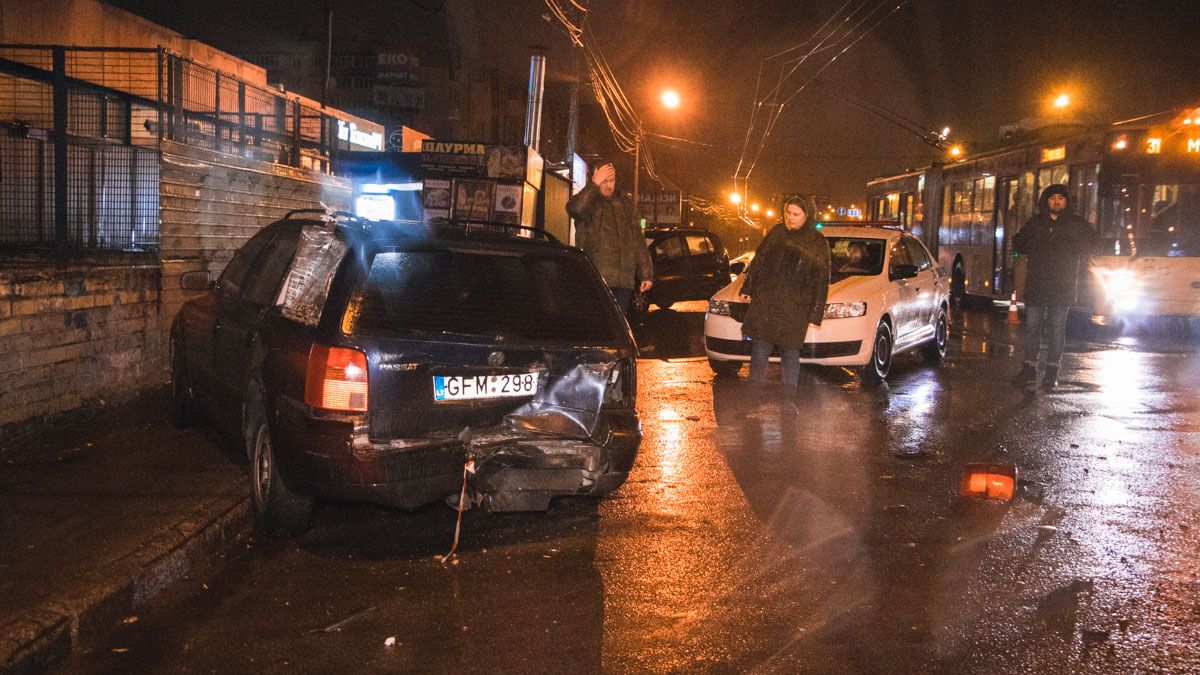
column 1013, row 317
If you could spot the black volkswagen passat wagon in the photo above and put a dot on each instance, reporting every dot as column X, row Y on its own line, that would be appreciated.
column 371, row 361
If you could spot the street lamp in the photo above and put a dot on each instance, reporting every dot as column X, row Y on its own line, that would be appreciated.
column 670, row 100
column 754, row 207
column 735, row 198
column 1062, row 101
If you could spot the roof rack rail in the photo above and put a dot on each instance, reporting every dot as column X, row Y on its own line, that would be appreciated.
column 323, row 212
column 476, row 225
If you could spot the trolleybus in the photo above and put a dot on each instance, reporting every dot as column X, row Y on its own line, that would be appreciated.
column 1137, row 181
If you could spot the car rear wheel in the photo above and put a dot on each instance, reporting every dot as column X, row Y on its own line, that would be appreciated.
column 877, row 368
column 725, row 367
column 183, row 406
column 935, row 350
column 278, row 511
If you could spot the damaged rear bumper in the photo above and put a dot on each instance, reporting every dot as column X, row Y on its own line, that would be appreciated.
column 516, row 469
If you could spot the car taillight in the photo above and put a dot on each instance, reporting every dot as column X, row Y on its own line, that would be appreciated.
column 337, row 379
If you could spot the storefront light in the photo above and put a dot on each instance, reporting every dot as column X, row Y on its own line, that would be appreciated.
column 375, row 207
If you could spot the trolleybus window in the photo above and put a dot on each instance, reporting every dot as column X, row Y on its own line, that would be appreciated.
column 1158, row 220
column 1084, row 190
column 1050, row 175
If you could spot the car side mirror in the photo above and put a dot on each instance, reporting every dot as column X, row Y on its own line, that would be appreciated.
column 196, row 280
column 904, row 272
column 737, row 267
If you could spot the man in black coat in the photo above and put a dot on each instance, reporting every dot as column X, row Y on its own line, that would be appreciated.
column 1054, row 241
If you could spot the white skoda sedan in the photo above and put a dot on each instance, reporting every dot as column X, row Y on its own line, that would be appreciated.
column 886, row 296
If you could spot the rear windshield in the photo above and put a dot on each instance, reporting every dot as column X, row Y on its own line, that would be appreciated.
column 518, row 296
column 851, row 256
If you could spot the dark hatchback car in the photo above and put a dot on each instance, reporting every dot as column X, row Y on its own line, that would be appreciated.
column 689, row 264
column 370, row 361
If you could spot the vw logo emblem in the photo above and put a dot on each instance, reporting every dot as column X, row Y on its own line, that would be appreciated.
column 496, row 359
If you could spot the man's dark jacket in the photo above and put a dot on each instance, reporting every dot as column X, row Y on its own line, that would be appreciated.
column 607, row 230
column 788, row 282
column 1055, row 249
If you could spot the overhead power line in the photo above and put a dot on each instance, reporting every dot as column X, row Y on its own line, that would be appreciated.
column 623, row 121
column 832, row 36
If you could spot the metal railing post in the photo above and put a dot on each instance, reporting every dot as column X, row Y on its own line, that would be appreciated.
column 61, row 110
column 296, row 133
column 158, row 127
column 217, row 110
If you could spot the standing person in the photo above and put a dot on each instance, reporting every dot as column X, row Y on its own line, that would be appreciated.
column 1054, row 240
column 606, row 228
column 786, row 286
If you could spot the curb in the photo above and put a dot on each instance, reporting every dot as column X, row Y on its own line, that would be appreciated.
column 48, row 633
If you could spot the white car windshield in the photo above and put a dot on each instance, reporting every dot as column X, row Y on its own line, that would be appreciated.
column 852, row 256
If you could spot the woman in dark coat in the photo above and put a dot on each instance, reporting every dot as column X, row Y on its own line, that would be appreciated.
column 786, row 286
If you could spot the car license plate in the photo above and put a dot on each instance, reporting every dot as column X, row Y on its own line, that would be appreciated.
column 461, row 387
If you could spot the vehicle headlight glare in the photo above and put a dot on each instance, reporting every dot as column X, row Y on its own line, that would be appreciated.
column 718, row 307
column 1121, row 289
column 845, row 310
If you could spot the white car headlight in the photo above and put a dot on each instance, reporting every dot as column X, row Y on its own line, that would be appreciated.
column 718, row 307
column 845, row 310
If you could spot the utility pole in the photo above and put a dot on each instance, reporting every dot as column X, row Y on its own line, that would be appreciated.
column 637, row 167
column 328, row 52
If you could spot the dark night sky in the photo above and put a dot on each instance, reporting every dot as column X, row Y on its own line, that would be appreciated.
column 969, row 64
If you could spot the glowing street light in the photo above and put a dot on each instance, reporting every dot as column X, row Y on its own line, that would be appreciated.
column 735, row 198
column 670, row 99
column 754, row 207
column 1062, row 101
column 956, row 151
column 770, row 213
column 945, row 132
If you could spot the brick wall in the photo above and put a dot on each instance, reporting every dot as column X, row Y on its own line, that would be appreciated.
column 87, row 331
column 76, row 334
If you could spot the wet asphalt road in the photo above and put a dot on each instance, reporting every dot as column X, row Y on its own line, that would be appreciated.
column 824, row 536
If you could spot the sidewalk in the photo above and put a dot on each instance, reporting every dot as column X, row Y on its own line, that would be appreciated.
column 100, row 514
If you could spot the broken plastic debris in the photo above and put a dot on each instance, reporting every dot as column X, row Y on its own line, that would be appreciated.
column 129, row 619
column 988, row 481
column 336, row 627
column 390, row 642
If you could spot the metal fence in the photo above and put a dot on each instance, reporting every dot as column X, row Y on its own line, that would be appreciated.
column 81, row 129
